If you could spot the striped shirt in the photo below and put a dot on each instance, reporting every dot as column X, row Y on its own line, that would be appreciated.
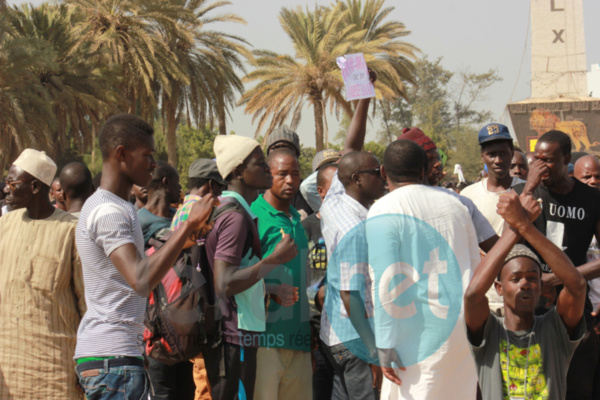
column 41, row 304
column 341, row 215
column 114, row 322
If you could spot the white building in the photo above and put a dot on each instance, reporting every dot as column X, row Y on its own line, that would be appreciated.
column 593, row 78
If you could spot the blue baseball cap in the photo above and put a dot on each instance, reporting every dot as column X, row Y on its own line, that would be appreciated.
column 492, row 132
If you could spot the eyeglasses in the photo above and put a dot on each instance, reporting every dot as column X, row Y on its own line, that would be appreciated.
column 376, row 171
column 11, row 184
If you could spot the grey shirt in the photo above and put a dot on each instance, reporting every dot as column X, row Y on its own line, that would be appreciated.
column 541, row 355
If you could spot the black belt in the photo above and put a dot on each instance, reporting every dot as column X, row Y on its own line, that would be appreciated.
column 112, row 362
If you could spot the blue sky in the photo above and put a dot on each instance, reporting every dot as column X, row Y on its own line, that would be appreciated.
column 473, row 35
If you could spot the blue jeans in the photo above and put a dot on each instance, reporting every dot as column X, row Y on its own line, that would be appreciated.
column 128, row 382
column 355, row 374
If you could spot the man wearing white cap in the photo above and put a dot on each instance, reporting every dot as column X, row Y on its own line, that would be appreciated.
column 41, row 287
column 234, row 253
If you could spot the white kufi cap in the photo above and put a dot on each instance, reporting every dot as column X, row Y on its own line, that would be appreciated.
column 37, row 164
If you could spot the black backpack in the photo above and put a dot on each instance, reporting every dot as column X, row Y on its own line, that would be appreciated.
column 182, row 313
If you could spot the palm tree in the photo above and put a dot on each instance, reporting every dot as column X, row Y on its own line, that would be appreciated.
column 380, row 43
column 75, row 84
column 208, row 58
column 124, row 31
column 286, row 83
column 26, row 118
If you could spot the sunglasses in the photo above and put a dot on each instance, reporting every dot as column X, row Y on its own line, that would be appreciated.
column 376, row 171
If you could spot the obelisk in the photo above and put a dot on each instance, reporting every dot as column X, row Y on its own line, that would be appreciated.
column 558, row 62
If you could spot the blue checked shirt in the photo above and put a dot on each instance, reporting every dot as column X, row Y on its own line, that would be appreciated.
column 342, row 224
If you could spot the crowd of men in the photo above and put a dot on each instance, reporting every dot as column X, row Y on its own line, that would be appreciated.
column 366, row 280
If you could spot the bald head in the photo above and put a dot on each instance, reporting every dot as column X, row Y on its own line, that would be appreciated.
column 352, row 162
column 324, row 178
column 587, row 170
column 76, row 182
column 360, row 174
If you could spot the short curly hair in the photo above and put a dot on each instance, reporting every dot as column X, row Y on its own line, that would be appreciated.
column 123, row 129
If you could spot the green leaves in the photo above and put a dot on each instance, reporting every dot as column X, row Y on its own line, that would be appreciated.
column 444, row 105
column 285, row 84
column 66, row 67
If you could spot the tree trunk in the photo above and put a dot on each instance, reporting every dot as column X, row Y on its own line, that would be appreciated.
column 171, row 115
column 94, row 136
column 318, row 108
column 222, row 121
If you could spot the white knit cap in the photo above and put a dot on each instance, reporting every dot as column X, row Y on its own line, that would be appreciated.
column 231, row 151
column 37, row 164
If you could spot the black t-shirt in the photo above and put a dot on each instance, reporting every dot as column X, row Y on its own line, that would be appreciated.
column 568, row 220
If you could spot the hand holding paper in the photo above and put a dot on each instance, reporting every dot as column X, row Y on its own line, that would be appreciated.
column 356, row 77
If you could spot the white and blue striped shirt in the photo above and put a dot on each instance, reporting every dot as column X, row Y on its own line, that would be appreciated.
column 114, row 322
column 342, row 220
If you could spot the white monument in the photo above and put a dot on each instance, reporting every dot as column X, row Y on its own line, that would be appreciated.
column 560, row 98
column 558, row 62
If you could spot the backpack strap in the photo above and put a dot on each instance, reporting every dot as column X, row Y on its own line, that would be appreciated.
column 227, row 206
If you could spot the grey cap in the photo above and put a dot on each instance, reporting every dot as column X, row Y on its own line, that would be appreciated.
column 520, row 250
column 325, row 157
column 205, row 168
column 284, row 134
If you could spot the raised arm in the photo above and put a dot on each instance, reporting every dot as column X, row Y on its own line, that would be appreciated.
column 476, row 304
column 572, row 298
column 537, row 169
column 143, row 274
column 355, row 138
column 477, row 307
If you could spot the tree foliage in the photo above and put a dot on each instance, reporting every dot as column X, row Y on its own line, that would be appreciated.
column 445, row 105
column 209, row 59
column 192, row 143
column 285, row 84
column 66, row 66
column 427, row 106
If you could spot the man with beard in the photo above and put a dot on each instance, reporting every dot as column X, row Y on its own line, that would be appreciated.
column 434, row 163
column 345, row 327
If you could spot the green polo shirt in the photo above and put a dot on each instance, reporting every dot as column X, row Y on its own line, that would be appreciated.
column 287, row 327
